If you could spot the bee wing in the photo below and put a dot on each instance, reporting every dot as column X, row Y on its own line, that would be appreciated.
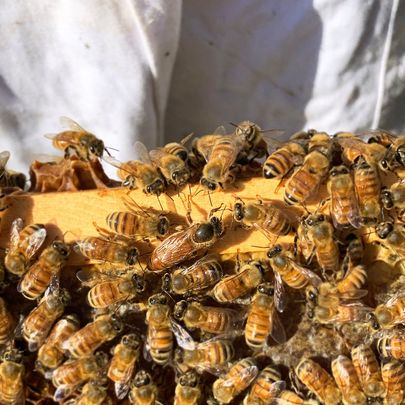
column 62, row 392
column 35, row 241
column 113, row 162
column 272, row 143
column 362, row 311
column 89, row 278
column 248, row 374
column 186, row 138
column 142, row 152
column 183, row 338
column 391, row 300
column 4, row 157
column 277, row 329
column 16, row 228
column 83, row 244
column 219, row 130
column 353, row 295
column 67, row 122
column 313, row 278
column 280, row 298
column 121, row 388
column 276, row 387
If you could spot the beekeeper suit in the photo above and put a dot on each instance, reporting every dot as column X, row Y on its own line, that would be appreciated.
column 156, row 70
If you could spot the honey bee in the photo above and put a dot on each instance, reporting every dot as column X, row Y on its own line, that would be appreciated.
column 283, row 159
column 143, row 390
column 211, row 355
column 187, row 390
column 7, row 323
column 89, row 338
column 38, row 277
column 11, row 378
column 267, row 386
column 209, row 319
column 10, row 178
column 394, row 157
column 201, row 275
column 262, row 319
column 368, row 370
column 392, row 312
column 320, row 235
column 349, row 312
column 186, row 244
column 125, row 355
column 50, row 354
column 392, row 345
column 39, row 321
column 100, row 249
column 72, row 373
column 346, row 379
column 306, row 180
column 282, row 261
column 344, row 210
column 77, row 141
column 24, row 243
column 236, row 380
column 250, row 136
column 318, row 381
column 108, row 290
column 393, row 376
column 287, row 397
column 159, row 334
column 394, row 198
column 171, row 161
column 354, row 253
column 232, row 287
column 92, row 393
column 267, row 217
column 392, row 236
column 367, row 185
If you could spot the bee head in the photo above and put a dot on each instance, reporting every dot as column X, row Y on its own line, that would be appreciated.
column 211, row 185
column 372, row 319
column 141, row 379
column 182, row 154
column 189, row 379
column 180, row 177
column 180, row 309
column 116, row 323
column 249, row 131
column 312, row 294
column 384, row 229
column 132, row 256
column 166, row 282
column 157, row 187
column 163, row 225
column 238, row 211
column 386, row 199
column 101, row 359
column 96, row 148
column 61, row 248
column 139, row 283
column 400, row 155
column 131, row 340
column 217, row 226
column 157, row 299
column 266, row 288
column 274, row 251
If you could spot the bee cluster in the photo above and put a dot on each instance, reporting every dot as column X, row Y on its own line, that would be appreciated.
column 158, row 317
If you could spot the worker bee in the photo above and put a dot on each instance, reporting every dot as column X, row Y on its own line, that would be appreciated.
column 392, row 345
column 394, row 157
column 305, row 182
column 39, row 321
column 159, row 335
column 318, row 232
column 286, row 397
column 250, row 136
column 391, row 313
column 318, row 381
column 141, row 173
column 344, row 210
column 349, row 312
column 393, row 376
column 50, row 354
column 72, row 373
column 187, row 390
column 392, row 236
column 7, row 323
column 38, row 277
column 235, row 286
column 108, row 290
column 267, row 386
column 10, row 178
column 367, row 185
column 171, row 161
column 283, row 159
column 201, row 275
column 354, row 253
column 262, row 319
column 186, row 244
column 89, row 338
column 394, row 198
column 267, row 217
column 282, row 261
column 143, row 390
column 24, row 243
column 368, row 370
column 236, row 380
column 212, row 355
column 125, row 355
column 12, row 372
column 208, row 319
column 100, row 249
column 77, row 141
column 92, row 393
column 346, row 379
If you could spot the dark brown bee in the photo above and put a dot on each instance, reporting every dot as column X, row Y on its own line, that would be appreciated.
column 201, row 275
column 185, row 245
column 77, row 141
column 38, row 277
column 24, row 243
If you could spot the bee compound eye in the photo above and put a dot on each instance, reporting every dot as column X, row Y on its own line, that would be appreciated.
column 183, row 155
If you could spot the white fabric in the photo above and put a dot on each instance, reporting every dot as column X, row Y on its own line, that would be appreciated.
column 108, row 64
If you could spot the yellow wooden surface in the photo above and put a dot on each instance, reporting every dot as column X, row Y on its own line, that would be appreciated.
column 73, row 213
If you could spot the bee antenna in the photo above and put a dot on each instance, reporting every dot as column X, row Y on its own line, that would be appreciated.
column 209, row 198
column 234, row 125
column 305, row 208
column 109, row 147
column 165, row 292
column 260, row 247
column 66, row 232
column 161, row 206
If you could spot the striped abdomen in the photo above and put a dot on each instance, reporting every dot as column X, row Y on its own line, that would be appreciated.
column 278, row 163
column 11, row 383
column 215, row 353
column 355, row 279
column 276, row 221
column 262, row 389
column 258, row 324
column 108, row 292
column 393, row 376
column 160, row 342
column 301, row 186
column 37, row 279
column 7, row 323
column 123, row 223
column 217, row 321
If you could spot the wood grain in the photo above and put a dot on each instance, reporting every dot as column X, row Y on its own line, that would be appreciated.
column 73, row 214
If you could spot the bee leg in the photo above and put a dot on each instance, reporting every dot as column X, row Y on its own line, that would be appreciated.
column 283, row 180
column 105, row 233
column 71, row 151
